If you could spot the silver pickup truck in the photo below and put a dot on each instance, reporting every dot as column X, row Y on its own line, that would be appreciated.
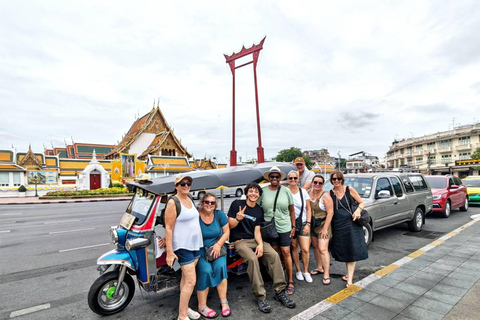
column 392, row 198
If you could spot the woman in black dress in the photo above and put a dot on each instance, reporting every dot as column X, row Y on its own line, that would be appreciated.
column 348, row 242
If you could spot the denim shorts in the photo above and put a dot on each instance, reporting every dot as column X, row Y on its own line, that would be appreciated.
column 187, row 256
column 283, row 240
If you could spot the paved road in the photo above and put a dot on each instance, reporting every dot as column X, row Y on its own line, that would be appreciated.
column 49, row 251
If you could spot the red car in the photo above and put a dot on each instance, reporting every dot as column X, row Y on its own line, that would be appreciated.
column 449, row 193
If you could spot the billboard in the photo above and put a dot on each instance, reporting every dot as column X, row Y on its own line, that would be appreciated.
column 42, row 177
column 128, row 165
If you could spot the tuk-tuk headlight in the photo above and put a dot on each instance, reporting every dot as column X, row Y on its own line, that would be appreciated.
column 134, row 244
column 114, row 235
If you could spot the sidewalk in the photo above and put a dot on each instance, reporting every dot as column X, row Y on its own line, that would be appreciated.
column 35, row 200
column 438, row 281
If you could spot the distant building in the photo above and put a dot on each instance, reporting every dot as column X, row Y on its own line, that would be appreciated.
column 361, row 162
column 439, row 153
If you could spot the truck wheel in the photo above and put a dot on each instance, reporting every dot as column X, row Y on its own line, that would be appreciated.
column 417, row 221
column 200, row 195
column 448, row 210
column 238, row 193
column 100, row 295
column 368, row 234
column 465, row 206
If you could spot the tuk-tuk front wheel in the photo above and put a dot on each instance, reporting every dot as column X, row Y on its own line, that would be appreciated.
column 102, row 298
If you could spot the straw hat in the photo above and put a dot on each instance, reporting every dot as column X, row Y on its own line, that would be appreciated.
column 180, row 177
column 274, row 169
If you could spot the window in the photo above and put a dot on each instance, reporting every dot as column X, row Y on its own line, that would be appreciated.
column 457, row 181
column 450, row 183
column 383, row 184
column 418, row 147
column 419, row 160
column 4, row 179
column 464, row 156
column 431, row 146
column 418, row 183
column 408, row 185
column 464, row 141
column 445, row 143
column 446, row 158
column 432, row 160
column 16, row 179
column 397, row 187
column 410, row 162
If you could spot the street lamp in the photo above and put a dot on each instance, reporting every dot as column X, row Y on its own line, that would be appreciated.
column 36, row 177
column 165, row 166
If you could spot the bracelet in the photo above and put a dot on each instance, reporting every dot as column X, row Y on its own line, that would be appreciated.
column 308, row 222
column 237, row 219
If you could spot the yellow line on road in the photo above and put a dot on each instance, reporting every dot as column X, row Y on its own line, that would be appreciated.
column 416, row 254
column 342, row 295
column 387, row 270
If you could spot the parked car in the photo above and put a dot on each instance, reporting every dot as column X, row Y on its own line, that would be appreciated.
column 449, row 193
column 227, row 192
column 391, row 198
column 473, row 189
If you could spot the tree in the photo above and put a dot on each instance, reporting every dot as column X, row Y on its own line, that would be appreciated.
column 476, row 154
column 288, row 155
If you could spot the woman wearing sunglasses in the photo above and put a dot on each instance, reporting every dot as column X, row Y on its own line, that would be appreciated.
column 303, row 218
column 215, row 231
column 181, row 245
column 277, row 201
column 322, row 208
column 348, row 243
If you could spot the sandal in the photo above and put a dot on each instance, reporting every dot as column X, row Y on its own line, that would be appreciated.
column 348, row 285
column 326, row 281
column 315, row 272
column 227, row 312
column 290, row 288
column 345, row 278
column 210, row 314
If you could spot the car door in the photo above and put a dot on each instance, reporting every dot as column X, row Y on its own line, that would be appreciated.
column 454, row 193
column 386, row 207
column 462, row 191
column 401, row 204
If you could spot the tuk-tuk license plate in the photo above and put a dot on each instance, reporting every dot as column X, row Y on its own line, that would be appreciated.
column 127, row 220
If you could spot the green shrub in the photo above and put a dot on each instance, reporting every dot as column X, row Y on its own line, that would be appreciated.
column 22, row 188
column 117, row 185
column 103, row 191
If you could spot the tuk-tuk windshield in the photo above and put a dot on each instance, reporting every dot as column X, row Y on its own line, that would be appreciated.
column 141, row 205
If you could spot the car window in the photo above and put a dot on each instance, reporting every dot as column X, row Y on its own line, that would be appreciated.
column 408, row 185
column 471, row 183
column 457, row 181
column 362, row 185
column 397, row 187
column 418, row 183
column 450, row 182
column 437, row 182
column 384, row 184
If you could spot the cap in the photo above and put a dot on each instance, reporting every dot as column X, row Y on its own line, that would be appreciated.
column 180, row 177
column 299, row 160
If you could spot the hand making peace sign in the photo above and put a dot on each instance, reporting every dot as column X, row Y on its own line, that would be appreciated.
column 241, row 213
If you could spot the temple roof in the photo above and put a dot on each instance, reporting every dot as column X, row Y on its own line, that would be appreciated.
column 11, row 167
column 6, row 156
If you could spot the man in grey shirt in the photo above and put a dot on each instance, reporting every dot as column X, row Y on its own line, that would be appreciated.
column 306, row 175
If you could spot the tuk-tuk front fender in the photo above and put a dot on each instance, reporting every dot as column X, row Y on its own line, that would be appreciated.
column 118, row 257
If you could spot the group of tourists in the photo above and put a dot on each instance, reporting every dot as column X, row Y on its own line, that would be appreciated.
column 300, row 214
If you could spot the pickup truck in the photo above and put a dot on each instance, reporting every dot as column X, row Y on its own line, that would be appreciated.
column 236, row 192
column 392, row 198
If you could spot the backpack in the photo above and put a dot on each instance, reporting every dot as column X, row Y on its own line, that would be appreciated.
column 178, row 207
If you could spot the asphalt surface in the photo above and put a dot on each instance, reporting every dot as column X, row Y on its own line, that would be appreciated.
column 49, row 253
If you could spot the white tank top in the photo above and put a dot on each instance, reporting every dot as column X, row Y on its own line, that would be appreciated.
column 187, row 233
column 320, row 203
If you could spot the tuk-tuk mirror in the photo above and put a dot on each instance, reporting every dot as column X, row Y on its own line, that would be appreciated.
column 164, row 199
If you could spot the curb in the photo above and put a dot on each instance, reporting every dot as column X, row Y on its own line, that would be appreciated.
column 64, row 201
column 359, row 285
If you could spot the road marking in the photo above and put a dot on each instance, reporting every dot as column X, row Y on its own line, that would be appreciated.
column 342, row 295
column 86, row 247
column 10, row 213
column 29, row 310
column 313, row 311
column 366, row 281
column 387, row 270
column 4, row 231
column 64, row 221
column 65, row 231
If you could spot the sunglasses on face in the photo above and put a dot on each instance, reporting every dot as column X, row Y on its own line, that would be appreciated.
column 299, row 164
column 336, row 179
column 212, row 203
column 274, row 177
column 183, row 183
column 292, row 178
column 317, row 182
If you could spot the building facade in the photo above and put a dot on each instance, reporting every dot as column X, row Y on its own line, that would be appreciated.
column 438, row 153
column 361, row 162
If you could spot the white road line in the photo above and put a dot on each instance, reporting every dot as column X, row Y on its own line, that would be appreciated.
column 29, row 310
column 10, row 214
column 65, row 231
column 313, row 311
column 4, row 231
column 64, row 221
column 86, row 247
column 366, row 281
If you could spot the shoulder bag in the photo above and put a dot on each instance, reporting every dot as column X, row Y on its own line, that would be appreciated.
column 208, row 250
column 352, row 203
column 299, row 220
column 268, row 229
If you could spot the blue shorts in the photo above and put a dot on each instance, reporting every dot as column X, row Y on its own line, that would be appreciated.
column 283, row 240
column 187, row 256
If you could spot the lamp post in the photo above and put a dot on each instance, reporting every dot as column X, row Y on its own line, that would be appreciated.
column 36, row 177
column 165, row 166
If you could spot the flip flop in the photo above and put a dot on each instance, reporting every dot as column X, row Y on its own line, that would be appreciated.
column 315, row 272
column 345, row 278
column 326, row 281
column 209, row 315
column 290, row 290
column 227, row 312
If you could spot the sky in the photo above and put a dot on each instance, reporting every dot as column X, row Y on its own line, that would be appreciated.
column 348, row 76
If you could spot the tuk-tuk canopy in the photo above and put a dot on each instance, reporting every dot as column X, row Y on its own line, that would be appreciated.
column 215, row 178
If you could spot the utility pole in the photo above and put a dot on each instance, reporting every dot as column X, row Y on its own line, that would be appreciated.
column 428, row 163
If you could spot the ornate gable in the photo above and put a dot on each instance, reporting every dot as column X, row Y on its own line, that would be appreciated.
column 30, row 160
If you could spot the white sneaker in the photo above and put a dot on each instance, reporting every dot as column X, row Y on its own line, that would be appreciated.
column 307, row 277
column 300, row 275
column 193, row 314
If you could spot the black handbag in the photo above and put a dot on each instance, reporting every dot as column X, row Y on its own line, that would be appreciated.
column 299, row 220
column 364, row 216
column 267, row 228
column 208, row 250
